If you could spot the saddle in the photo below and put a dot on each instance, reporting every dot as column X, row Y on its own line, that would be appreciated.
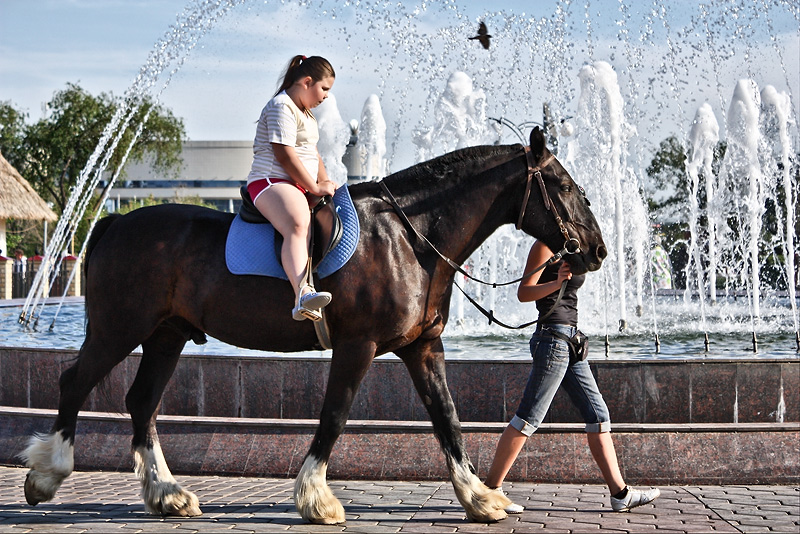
column 326, row 226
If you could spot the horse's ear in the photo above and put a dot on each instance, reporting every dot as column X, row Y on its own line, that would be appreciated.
column 537, row 143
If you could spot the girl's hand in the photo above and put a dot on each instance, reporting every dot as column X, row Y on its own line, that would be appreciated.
column 325, row 187
column 564, row 272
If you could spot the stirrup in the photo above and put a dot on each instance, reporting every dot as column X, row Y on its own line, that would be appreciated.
column 309, row 304
column 299, row 313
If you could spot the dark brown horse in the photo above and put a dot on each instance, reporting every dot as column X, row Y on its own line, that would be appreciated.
column 157, row 278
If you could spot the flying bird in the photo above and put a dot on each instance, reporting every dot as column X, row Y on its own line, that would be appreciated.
column 483, row 36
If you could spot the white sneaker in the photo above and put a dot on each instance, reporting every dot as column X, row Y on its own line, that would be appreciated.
column 309, row 305
column 315, row 300
column 511, row 508
column 634, row 498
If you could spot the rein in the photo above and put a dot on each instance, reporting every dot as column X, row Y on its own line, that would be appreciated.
column 571, row 244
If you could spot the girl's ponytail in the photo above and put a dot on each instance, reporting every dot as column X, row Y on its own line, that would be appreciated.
column 301, row 66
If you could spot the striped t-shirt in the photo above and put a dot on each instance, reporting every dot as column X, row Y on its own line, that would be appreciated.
column 282, row 122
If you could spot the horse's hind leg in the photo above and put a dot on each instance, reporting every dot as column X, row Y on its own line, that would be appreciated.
column 312, row 497
column 50, row 456
column 161, row 492
column 425, row 362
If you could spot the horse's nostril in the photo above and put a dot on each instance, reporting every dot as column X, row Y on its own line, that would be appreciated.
column 601, row 252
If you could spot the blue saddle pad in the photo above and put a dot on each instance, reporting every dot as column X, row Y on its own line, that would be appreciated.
column 250, row 248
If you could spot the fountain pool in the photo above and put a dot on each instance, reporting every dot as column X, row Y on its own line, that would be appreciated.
column 464, row 339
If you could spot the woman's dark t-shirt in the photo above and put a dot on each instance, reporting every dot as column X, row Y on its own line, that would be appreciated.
column 567, row 310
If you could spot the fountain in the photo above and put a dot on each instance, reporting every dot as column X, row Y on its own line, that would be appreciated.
column 606, row 136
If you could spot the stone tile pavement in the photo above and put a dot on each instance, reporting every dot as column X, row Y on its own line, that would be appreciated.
column 110, row 502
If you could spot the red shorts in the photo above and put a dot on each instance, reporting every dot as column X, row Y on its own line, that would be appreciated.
column 257, row 187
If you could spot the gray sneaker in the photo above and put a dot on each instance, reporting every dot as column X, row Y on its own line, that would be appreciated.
column 634, row 498
column 511, row 508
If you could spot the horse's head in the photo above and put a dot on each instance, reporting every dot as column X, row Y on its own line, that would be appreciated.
column 557, row 210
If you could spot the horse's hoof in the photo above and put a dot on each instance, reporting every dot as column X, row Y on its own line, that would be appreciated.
column 41, row 492
column 490, row 517
column 328, row 512
column 332, row 513
column 32, row 496
column 182, row 505
column 313, row 499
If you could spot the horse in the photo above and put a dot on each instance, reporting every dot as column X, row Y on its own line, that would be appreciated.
column 157, row 277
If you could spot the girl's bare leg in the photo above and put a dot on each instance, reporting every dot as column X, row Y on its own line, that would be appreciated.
column 602, row 447
column 287, row 209
column 508, row 448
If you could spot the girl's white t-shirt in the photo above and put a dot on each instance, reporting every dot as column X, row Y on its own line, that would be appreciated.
column 282, row 122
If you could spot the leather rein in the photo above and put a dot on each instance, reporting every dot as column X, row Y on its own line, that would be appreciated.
column 571, row 244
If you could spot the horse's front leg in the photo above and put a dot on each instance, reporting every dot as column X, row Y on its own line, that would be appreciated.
column 312, row 497
column 425, row 362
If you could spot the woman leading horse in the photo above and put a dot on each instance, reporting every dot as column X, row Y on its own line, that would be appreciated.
column 157, row 278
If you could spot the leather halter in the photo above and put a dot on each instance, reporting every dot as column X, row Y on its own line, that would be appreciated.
column 571, row 245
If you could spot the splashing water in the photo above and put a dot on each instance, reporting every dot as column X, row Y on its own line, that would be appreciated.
column 416, row 61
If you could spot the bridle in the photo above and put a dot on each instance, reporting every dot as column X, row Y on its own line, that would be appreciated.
column 571, row 244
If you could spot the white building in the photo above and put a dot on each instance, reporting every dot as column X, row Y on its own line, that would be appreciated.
column 212, row 170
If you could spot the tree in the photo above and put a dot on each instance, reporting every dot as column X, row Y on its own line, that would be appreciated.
column 668, row 199
column 52, row 152
column 668, row 182
column 12, row 132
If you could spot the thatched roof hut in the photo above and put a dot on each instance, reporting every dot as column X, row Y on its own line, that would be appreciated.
column 18, row 200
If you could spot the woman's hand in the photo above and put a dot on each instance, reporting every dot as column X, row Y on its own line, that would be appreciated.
column 564, row 272
column 530, row 289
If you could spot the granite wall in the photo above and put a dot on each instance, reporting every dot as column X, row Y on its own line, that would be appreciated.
column 754, row 453
column 636, row 391
column 675, row 422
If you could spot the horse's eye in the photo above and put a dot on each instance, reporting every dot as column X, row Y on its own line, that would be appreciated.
column 566, row 188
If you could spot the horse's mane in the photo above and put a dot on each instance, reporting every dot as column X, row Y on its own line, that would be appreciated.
column 451, row 163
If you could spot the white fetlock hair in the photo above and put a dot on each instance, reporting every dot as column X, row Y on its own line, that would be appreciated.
column 482, row 504
column 161, row 493
column 50, row 459
column 313, row 498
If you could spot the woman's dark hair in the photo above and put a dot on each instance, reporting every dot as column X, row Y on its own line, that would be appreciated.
column 301, row 66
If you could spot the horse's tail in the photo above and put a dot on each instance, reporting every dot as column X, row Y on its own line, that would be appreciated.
column 99, row 229
column 98, row 232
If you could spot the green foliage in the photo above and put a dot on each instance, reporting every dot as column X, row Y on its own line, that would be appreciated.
column 667, row 176
column 12, row 132
column 668, row 200
column 52, row 152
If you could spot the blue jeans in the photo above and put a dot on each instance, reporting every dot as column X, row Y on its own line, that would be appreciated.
column 551, row 369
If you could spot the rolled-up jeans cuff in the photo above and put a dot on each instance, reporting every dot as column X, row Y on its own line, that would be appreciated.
column 522, row 425
column 602, row 426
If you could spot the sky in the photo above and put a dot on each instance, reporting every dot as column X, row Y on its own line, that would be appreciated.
column 404, row 54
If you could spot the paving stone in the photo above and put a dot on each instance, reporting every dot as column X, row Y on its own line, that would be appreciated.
column 111, row 502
